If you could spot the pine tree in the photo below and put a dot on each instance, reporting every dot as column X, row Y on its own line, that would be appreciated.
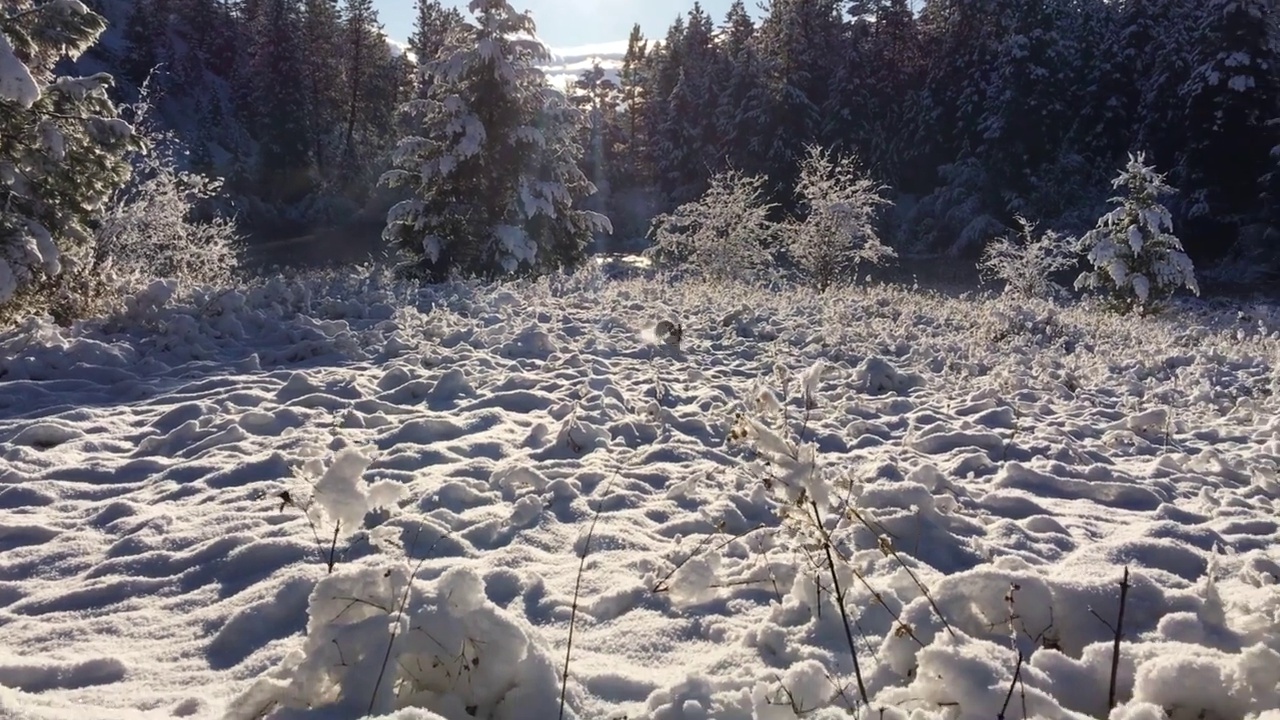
column 1110, row 81
column 686, row 140
column 1031, row 100
column 1138, row 261
column 280, row 103
column 598, row 98
column 207, row 25
column 62, row 145
column 801, row 41
column 431, row 29
column 1231, row 98
column 145, row 31
column 893, row 65
column 494, row 167
column 322, row 76
column 633, row 167
column 961, row 38
column 360, row 41
column 742, row 102
column 1163, row 44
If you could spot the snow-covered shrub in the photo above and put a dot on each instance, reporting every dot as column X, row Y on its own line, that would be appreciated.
column 152, row 228
column 62, row 149
column 1026, row 262
column 338, row 500
column 838, row 231
column 378, row 640
column 725, row 234
column 1138, row 261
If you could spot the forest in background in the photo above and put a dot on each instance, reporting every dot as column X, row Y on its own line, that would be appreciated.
column 972, row 112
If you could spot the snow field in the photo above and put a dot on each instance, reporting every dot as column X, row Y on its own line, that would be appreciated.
column 176, row 479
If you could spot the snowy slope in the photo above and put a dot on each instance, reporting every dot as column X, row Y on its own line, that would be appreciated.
column 150, row 567
column 568, row 64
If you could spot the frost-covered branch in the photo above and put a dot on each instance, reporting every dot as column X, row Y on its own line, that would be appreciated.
column 837, row 232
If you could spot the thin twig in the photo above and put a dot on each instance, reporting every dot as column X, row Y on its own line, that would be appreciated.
column 404, row 599
column 577, row 588
column 1115, row 648
column 333, row 546
column 839, row 594
column 886, row 546
column 1017, row 673
column 663, row 585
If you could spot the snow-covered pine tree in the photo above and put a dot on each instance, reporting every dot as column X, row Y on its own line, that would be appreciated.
column 361, row 39
column 686, row 135
column 893, row 69
column 321, row 74
column 802, row 42
column 279, row 104
column 1163, row 42
column 62, row 144
column 1231, row 97
column 1111, row 75
column 838, row 230
column 960, row 39
column 494, row 166
column 742, row 102
column 146, row 33
column 633, row 83
column 208, row 28
column 599, row 98
column 431, row 28
column 1137, row 260
column 1031, row 97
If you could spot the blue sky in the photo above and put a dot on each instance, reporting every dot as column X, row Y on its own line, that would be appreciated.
column 571, row 23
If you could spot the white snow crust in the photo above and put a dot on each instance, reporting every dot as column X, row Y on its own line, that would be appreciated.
column 174, row 480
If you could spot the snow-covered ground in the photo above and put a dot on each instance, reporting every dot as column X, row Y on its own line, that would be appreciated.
column 171, row 481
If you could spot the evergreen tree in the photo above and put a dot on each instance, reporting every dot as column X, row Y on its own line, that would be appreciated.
column 1110, row 78
column 145, row 33
column 742, row 101
column 208, row 27
column 1031, row 97
column 686, row 143
column 633, row 80
column 1163, row 43
column 893, row 64
column 361, row 38
column 431, row 29
column 961, row 38
column 62, row 145
column 1137, row 260
column 322, row 76
column 598, row 98
column 280, row 103
column 802, row 41
column 494, row 167
column 1231, row 98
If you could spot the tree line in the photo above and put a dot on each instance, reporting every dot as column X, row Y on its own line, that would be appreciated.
column 975, row 112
